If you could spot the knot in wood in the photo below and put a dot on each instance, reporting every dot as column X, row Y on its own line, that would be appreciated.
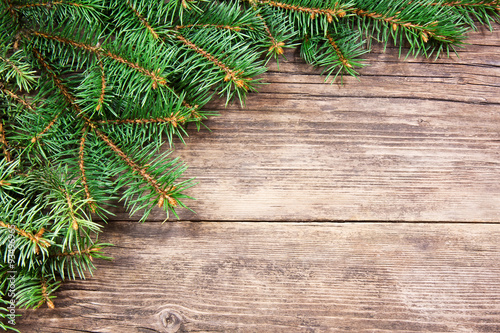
column 171, row 321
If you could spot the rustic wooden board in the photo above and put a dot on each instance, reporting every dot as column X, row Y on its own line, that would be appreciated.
column 286, row 277
column 413, row 140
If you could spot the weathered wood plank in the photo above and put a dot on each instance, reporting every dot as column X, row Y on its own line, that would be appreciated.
column 413, row 140
column 286, row 277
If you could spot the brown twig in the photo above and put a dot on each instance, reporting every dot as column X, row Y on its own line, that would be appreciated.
column 86, row 252
column 157, row 79
column 173, row 119
column 48, row 4
column 232, row 75
column 18, row 99
column 329, row 13
column 338, row 51
column 143, row 20
column 216, row 26
column 5, row 145
column 274, row 43
column 103, row 86
column 37, row 238
column 81, row 164
column 46, row 298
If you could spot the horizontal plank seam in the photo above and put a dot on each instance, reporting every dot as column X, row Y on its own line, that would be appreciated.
column 315, row 221
column 276, row 94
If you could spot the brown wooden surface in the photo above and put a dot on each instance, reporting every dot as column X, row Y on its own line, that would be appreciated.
column 286, row 277
column 413, row 141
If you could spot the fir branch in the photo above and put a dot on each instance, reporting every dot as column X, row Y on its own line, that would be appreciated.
column 143, row 20
column 485, row 12
column 17, row 98
column 5, row 148
column 37, row 239
column 426, row 31
column 48, row 5
column 74, row 222
column 15, row 67
column 45, row 296
column 339, row 53
column 156, row 78
column 174, row 119
column 103, row 86
column 57, row 81
column 329, row 13
column 276, row 47
column 84, row 252
column 469, row 3
column 133, row 165
column 215, row 26
column 82, row 168
column 236, row 76
column 137, row 168
column 46, row 129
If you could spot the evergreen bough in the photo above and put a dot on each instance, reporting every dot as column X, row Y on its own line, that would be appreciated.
column 90, row 90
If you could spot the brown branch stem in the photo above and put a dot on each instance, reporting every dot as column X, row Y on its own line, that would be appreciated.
column 81, row 164
column 157, row 79
column 329, row 13
column 232, row 75
column 143, row 20
column 5, row 145
column 37, row 238
column 338, row 51
column 46, row 298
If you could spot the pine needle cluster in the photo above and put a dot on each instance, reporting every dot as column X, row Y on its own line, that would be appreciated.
column 90, row 90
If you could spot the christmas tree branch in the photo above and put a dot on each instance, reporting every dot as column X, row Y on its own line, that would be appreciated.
column 48, row 5
column 231, row 75
column 17, row 98
column 469, row 3
column 103, row 86
column 5, row 146
column 37, row 239
column 84, row 252
column 329, row 13
column 137, row 168
column 81, row 164
column 46, row 129
column 339, row 53
column 215, row 26
column 143, row 20
column 157, row 79
column 174, row 119
column 276, row 47
column 45, row 296
column 71, row 211
column 133, row 165
column 426, row 31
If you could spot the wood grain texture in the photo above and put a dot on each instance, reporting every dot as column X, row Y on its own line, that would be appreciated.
column 413, row 140
column 285, row 277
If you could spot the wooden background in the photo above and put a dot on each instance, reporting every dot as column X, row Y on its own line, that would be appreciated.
column 368, row 207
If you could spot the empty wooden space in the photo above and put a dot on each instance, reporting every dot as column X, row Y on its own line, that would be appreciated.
column 372, row 206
